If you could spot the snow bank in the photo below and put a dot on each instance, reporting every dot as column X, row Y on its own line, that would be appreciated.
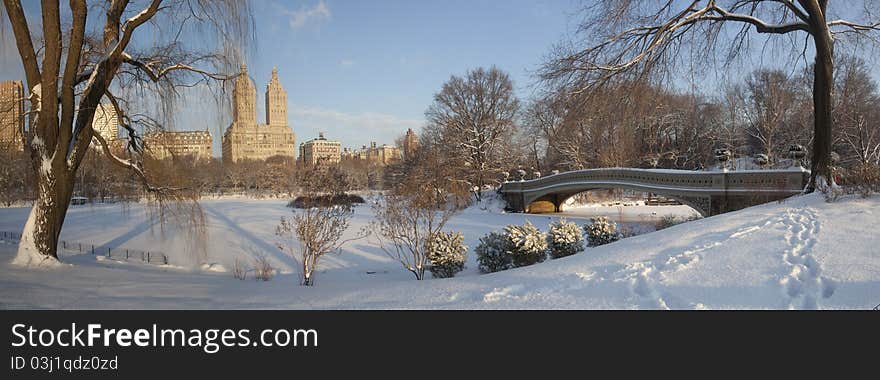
column 27, row 254
column 802, row 253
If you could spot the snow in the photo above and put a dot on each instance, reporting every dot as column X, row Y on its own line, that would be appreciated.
column 802, row 253
column 27, row 254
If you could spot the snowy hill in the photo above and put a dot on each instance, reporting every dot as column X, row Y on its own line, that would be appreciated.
column 803, row 253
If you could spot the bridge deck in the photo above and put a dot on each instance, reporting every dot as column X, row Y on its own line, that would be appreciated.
column 695, row 188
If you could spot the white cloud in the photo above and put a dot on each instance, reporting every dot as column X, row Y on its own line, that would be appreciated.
column 300, row 18
column 346, row 63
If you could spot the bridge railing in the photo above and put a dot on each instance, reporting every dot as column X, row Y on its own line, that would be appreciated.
column 779, row 180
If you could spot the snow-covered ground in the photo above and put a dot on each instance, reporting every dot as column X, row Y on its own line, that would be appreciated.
column 801, row 253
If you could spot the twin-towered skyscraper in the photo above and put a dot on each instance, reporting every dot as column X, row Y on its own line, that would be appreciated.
column 247, row 140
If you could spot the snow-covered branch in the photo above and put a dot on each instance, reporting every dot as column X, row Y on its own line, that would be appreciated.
column 156, row 74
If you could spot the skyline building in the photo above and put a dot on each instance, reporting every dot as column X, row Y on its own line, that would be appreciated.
column 12, row 115
column 374, row 154
column 167, row 144
column 106, row 122
column 244, row 139
column 320, row 150
column 410, row 143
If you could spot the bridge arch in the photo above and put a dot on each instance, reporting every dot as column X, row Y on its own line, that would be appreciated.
column 558, row 195
column 708, row 192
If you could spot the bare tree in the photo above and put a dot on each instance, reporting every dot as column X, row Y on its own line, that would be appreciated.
column 632, row 37
column 857, row 114
column 14, row 179
column 414, row 211
column 603, row 129
column 730, row 133
column 770, row 97
column 319, row 227
column 320, row 231
column 69, row 72
column 473, row 117
column 570, row 142
column 542, row 120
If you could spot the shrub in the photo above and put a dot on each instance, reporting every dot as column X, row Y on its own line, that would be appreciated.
column 863, row 180
column 307, row 201
column 447, row 254
column 666, row 221
column 238, row 270
column 601, row 231
column 670, row 220
column 517, row 246
column 565, row 239
column 492, row 253
column 528, row 245
column 263, row 270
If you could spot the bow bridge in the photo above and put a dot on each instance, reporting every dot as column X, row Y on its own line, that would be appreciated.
column 709, row 192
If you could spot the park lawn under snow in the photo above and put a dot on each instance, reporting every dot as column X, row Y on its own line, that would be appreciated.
column 801, row 253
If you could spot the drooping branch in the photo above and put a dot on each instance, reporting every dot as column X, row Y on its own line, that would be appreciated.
column 156, row 74
column 123, row 120
column 643, row 46
column 133, row 167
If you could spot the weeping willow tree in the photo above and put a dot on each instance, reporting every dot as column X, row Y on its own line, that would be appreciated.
column 117, row 52
column 627, row 38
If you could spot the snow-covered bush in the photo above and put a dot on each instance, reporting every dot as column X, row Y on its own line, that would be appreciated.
column 517, row 246
column 601, row 231
column 447, row 254
column 564, row 239
column 528, row 245
column 492, row 253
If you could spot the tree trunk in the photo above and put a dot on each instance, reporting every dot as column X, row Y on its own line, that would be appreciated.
column 419, row 273
column 39, row 239
column 823, row 82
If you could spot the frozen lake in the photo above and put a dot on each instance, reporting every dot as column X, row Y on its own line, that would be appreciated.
column 638, row 219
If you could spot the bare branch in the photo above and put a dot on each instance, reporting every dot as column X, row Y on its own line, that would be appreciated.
column 79, row 11
column 133, row 167
column 23, row 41
column 157, row 74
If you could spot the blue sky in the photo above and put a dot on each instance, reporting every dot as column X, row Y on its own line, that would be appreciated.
column 363, row 71
column 367, row 70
